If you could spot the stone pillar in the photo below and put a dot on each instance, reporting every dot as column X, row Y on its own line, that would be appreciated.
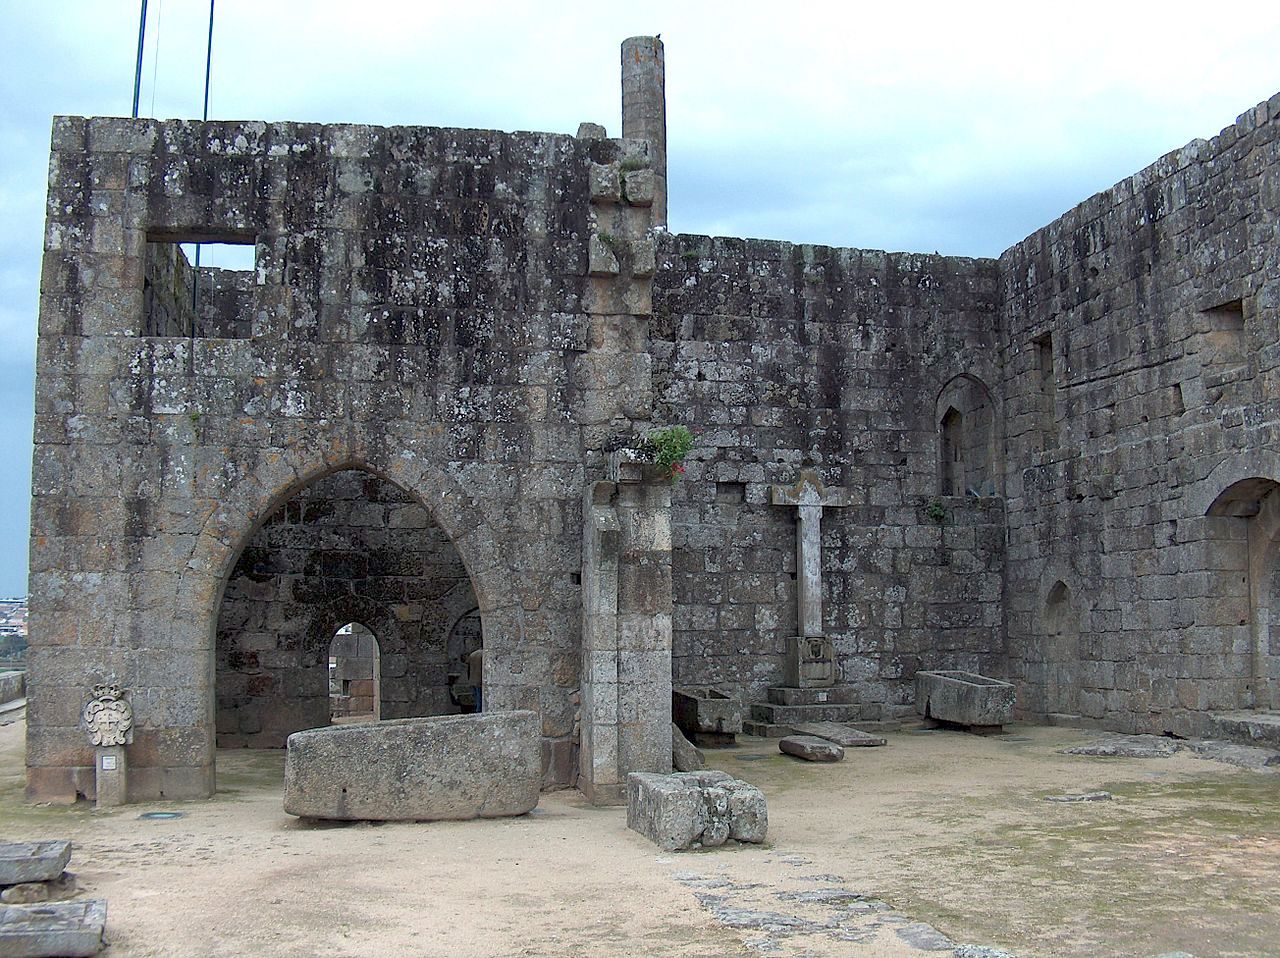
column 644, row 109
column 626, row 636
column 112, row 776
column 810, row 659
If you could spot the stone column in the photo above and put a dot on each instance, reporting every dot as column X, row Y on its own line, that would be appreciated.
column 644, row 109
column 810, row 659
column 626, row 636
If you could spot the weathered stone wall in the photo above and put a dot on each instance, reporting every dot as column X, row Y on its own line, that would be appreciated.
column 1140, row 373
column 781, row 356
column 415, row 312
column 350, row 548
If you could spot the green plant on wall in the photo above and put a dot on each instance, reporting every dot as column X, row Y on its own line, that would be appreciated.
column 667, row 448
column 935, row 510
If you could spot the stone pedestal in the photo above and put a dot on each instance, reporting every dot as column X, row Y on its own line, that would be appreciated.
column 112, row 775
column 810, row 663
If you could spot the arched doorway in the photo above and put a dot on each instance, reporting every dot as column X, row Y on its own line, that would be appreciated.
column 348, row 548
column 354, row 675
column 1241, row 560
column 1061, row 646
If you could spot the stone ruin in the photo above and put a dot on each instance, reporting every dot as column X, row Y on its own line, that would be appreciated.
column 418, row 411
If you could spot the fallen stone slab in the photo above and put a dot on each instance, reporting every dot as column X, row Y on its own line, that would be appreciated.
column 844, row 735
column 446, row 767
column 33, row 861
column 1082, row 797
column 65, row 929
column 1127, row 746
column 685, row 756
column 810, row 748
column 706, row 808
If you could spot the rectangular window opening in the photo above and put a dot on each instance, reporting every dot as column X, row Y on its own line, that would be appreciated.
column 211, row 301
column 1048, row 383
column 731, row 492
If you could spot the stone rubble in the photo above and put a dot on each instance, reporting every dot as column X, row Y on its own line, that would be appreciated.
column 695, row 809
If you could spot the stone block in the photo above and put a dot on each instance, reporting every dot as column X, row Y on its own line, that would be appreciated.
column 419, row 769
column 638, row 187
column 69, row 929
column 604, row 183
column 33, row 861
column 843, row 735
column 964, row 698
column 695, row 808
column 810, row 748
column 601, row 259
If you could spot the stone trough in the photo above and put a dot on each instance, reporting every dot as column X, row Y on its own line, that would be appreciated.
column 965, row 698
column 419, row 769
column 706, row 715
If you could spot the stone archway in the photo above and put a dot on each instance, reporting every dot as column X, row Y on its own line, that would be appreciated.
column 348, row 547
column 355, row 675
column 966, row 425
column 1241, row 557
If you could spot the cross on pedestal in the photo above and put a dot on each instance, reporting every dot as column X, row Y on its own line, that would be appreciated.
column 810, row 658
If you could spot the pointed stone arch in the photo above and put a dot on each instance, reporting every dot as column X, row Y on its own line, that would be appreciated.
column 966, row 426
column 232, row 522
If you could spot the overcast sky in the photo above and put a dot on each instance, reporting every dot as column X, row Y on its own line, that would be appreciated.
column 957, row 127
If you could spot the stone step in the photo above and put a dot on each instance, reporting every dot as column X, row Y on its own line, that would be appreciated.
column 795, row 714
column 1261, row 728
column 764, row 729
column 832, row 695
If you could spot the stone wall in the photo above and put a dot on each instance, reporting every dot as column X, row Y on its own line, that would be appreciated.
column 1140, row 373
column 350, row 548
column 782, row 356
column 415, row 313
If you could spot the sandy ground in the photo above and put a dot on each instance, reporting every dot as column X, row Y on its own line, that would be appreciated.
column 944, row 827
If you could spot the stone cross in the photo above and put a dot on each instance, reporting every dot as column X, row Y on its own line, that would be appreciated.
column 810, row 659
column 108, row 718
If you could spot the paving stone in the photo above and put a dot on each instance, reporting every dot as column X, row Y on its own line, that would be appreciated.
column 811, row 748
column 1128, row 746
column 1257, row 759
column 980, row 951
column 920, row 935
column 33, row 861
column 69, row 929
column 1082, row 797
column 843, row 735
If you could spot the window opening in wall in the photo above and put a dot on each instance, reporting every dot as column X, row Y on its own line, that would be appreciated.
column 952, row 430
column 354, row 676
column 1224, row 340
column 731, row 492
column 968, row 447
column 212, row 302
column 1048, row 391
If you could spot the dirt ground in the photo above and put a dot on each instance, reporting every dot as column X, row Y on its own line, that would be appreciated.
column 945, row 828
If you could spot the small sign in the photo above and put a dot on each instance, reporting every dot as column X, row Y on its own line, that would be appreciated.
column 108, row 763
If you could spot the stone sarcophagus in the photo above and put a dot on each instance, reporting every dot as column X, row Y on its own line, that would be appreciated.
column 418, row 769
column 964, row 698
column 708, row 716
